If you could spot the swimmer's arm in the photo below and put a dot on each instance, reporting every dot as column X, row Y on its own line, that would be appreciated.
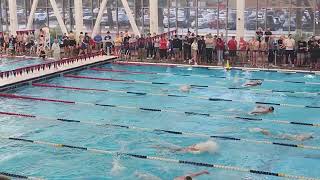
column 191, row 175
column 198, row 173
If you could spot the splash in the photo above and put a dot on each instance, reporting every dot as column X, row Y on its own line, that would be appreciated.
column 309, row 76
column 117, row 167
column 146, row 176
column 185, row 88
column 209, row 146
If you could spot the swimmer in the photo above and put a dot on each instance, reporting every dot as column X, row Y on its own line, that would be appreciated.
column 185, row 88
column 209, row 146
column 146, row 176
column 252, row 83
column 291, row 137
column 2, row 177
column 262, row 110
column 190, row 176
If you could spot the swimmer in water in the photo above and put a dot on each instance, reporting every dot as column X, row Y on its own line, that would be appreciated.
column 291, row 137
column 146, row 176
column 209, row 146
column 190, row 176
column 185, row 88
column 2, row 177
column 252, row 83
column 262, row 110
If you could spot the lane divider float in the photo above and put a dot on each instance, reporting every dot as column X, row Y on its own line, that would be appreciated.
column 162, row 159
column 211, row 116
column 175, row 132
column 218, row 87
column 198, row 86
column 283, row 71
column 17, row 176
column 198, row 75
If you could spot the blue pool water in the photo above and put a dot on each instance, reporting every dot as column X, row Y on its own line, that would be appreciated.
column 58, row 163
column 7, row 64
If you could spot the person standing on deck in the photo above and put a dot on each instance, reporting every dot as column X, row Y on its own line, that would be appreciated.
column 55, row 48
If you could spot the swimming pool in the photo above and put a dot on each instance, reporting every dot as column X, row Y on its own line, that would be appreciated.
column 137, row 109
column 7, row 64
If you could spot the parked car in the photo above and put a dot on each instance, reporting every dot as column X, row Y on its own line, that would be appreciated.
column 273, row 23
column 123, row 20
column 172, row 22
column 288, row 24
column 183, row 22
column 215, row 24
column 40, row 17
column 232, row 24
column 202, row 23
column 253, row 24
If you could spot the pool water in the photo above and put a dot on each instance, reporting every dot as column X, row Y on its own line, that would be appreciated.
column 59, row 163
column 7, row 64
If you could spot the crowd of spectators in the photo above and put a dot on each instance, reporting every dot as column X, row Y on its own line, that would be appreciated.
column 262, row 50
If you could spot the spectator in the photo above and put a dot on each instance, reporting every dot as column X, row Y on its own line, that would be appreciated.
column 176, row 46
column 98, row 40
column 289, row 44
column 209, row 48
column 65, row 44
column 262, row 54
column 314, row 49
column 180, row 47
column 83, row 47
column 163, row 47
column 149, row 46
column 272, row 48
column 141, row 46
column 41, row 51
column 117, row 44
column 220, row 48
column 255, row 52
column 81, row 37
column 55, row 48
column 259, row 34
column 156, row 47
column 132, row 45
column 214, row 53
column 232, row 47
column 72, row 43
column 1, row 43
column 125, row 46
column 281, row 49
column 194, row 51
column 302, row 50
column 267, row 34
column 243, row 47
column 186, row 48
column 108, row 44
column 202, row 49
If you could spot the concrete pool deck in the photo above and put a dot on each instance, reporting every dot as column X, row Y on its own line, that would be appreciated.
column 10, row 78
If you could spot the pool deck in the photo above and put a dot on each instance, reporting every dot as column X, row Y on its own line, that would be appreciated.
column 26, row 74
column 220, row 67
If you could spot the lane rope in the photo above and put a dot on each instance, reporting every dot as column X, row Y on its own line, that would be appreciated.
column 211, row 116
column 17, row 176
column 175, row 132
column 155, row 158
column 129, row 92
column 197, row 86
column 218, row 87
column 198, row 75
column 283, row 71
